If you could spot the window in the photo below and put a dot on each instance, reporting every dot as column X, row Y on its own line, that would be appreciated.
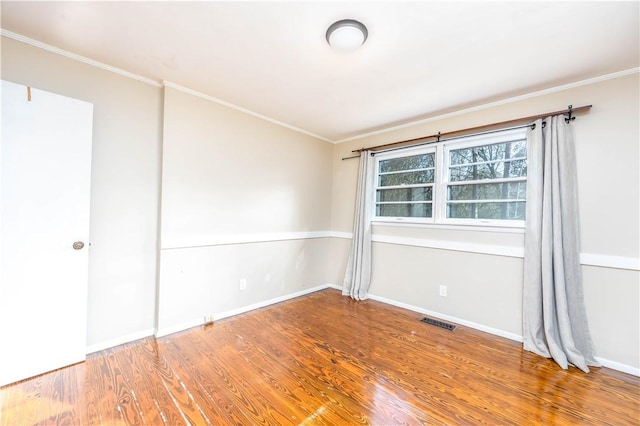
column 473, row 180
column 405, row 186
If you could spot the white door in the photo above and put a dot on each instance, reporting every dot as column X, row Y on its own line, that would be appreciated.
column 45, row 165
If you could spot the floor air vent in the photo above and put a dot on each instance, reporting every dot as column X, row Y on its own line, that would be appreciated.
column 440, row 324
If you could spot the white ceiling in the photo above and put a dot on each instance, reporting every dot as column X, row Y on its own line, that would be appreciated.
column 421, row 58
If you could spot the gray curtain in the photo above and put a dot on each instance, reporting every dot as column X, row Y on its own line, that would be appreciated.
column 358, row 274
column 554, row 317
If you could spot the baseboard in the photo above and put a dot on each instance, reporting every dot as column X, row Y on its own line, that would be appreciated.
column 334, row 286
column 266, row 303
column 97, row 347
column 165, row 331
column 470, row 324
column 614, row 365
column 241, row 310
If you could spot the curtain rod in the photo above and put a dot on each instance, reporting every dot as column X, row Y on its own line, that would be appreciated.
column 420, row 141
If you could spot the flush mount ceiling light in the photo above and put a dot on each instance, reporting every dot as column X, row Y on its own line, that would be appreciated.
column 347, row 34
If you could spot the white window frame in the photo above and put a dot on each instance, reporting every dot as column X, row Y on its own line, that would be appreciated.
column 442, row 152
column 408, row 152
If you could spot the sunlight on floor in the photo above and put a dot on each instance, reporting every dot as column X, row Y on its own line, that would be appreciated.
column 311, row 419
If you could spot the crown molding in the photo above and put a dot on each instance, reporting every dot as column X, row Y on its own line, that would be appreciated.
column 241, row 109
column 76, row 57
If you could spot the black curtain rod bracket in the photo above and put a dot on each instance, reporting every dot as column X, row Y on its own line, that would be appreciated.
column 570, row 113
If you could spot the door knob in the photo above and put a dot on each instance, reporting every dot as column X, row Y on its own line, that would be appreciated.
column 78, row 245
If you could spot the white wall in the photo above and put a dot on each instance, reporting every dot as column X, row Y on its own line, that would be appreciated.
column 486, row 289
column 240, row 198
column 124, row 184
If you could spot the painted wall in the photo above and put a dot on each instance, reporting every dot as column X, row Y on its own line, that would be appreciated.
column 240, row 198
column 124, row 184
column 486, row 289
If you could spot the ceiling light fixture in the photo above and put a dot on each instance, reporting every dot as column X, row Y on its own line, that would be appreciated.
column 347, row 35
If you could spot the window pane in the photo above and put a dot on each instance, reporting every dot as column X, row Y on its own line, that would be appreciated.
column 488, row 191
column 421, row 161
column 405, row 194
column 409, row 178
column 497, row 170
column 404, row 210
column 508, row 211
column 498, row 151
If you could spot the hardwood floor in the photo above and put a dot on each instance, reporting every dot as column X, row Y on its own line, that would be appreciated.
column 322, row 359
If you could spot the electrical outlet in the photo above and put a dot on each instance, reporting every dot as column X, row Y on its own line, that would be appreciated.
column 243, row 283
column 443, row 290
column 208, row 319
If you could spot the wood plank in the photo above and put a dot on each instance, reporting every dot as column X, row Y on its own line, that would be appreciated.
column 67, row 396
column 215, row 403
column 102, row 407
column 138, row 362
column 322, row 359
column 23, row 403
